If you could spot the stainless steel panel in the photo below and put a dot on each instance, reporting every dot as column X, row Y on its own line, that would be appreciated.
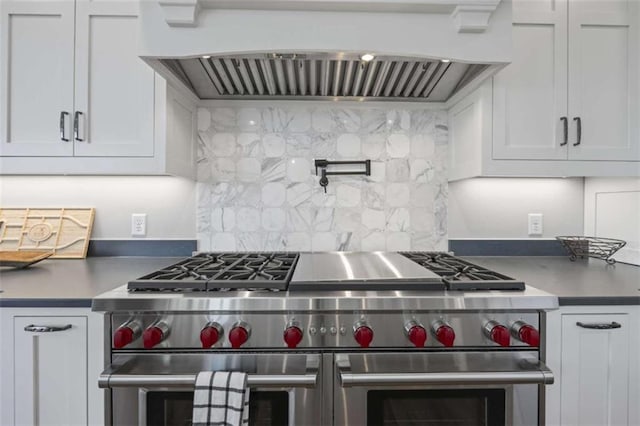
column 357, row 82
column 244, row 73
column 337, row 78
column 348, row 78
column 291, row 76
column 269, row 81
column 280, row 78
column 302, row 76
column 233, row 73
column 222, row 73
column 253, row 66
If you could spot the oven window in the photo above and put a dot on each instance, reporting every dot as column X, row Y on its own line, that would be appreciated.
column 174, row 408
column 442, row 407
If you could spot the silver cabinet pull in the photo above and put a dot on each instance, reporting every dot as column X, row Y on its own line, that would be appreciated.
column 46, row 328
column 76, row 126
column 565, row 127
column 107, row 380
column 599, row 326
column 63, row 115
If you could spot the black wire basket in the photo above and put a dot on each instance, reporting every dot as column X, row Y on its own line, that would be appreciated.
column 599, row 248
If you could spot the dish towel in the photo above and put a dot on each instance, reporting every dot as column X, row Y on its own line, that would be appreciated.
column 221, row 398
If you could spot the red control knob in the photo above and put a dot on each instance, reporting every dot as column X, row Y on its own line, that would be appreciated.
column 238, row 335
column 210, row 334
column 500, row 335
column 152, row 336
column 363, row 335
column 292, row 336
column 445, row 335
column 417, row 335
column 526, row 333
column 122, row 337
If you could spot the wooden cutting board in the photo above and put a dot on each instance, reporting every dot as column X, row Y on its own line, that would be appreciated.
column 22, row 259
column 64, row 231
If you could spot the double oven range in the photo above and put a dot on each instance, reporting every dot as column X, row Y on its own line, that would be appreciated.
column 340, row 338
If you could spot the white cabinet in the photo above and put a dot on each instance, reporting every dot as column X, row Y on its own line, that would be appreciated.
column 51, row 359
column 593, row 352
column 77, row 93
column 569, row 103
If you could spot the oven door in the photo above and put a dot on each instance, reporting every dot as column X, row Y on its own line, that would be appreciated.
column 437, row 389
column 157, row 389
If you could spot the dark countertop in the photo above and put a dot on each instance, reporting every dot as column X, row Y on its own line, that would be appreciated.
column 73, row 283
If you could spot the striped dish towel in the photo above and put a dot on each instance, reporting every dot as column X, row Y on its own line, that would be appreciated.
column 221, row 398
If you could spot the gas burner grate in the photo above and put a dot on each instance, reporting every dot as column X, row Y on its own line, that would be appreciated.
column 459, row 274
column 222, row 272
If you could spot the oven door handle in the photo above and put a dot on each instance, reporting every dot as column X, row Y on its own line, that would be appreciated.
column 541, row 375
column 107, row 380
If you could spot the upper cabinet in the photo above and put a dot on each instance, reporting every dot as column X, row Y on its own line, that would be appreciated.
column 567, row 105
column 76, row 93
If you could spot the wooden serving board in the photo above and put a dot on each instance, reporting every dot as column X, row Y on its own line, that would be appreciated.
column 64, row 231
column 22, row 259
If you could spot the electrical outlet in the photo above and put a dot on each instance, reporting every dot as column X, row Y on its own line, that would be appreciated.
column 138, row 224
column 535, row 224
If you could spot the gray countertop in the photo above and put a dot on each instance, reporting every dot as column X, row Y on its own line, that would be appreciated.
column 73, row 283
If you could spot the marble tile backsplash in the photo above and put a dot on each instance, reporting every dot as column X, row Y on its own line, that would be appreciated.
column 257, row 187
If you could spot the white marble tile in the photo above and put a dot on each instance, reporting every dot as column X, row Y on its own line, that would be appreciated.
column 298, row 241
column 348, row 145
column 378, row 172
column 274, row 169
column 223, row 219
column 250, row 241
column 398, row 219
column 373, row 195
column 424, row 241
column 204, row 119
column 203, row 194
column 248, row 194
column 300, row 120
column 273, row 145
column 249, row 119
column 323, row 219
column 273, row 219
column 275, row 241
column 398, row 241
column 248, row 219
column 422, row 219
column 223, row 193
column 321, row 198
column 374, row 121
column 274, row 119
column 346, row 120
column 298, row 145
column 421, row 170
column 422, row 195
column 347, row 219
column 398, row 195
column 373, row 146
column 398, row 145
column 322, row 120
column 248, row 170
column 346, row 241
column 374, row 241
column 397, row 170
column 298, row 193
column 248, row 145
column 422, row 146
column 323, row 241
column 273, row 194
column 223, row 119
column 203, row 219
column 373, row 219
column 222, row 241
column 347, row 195
column 298, row 169
column 222, row 170
column 203, row 241
column 300, row 219
column 323, row 145
column 223, row 144
column 423, row 121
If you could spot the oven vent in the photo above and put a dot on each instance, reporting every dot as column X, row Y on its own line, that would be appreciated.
column 302, row 76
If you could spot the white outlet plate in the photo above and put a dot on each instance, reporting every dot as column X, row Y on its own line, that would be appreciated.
column 138, row 224
column 535, row 224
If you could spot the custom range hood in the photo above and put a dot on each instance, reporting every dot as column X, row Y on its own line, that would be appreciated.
column 413, row 50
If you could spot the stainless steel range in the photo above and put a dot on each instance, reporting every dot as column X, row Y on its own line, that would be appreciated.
column 340, row 338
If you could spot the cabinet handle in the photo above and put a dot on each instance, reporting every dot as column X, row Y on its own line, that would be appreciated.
column 63, row 114
column 601, row 326
column 76, row 126
column 46, row 328
column 565, row 126
column 579, row 128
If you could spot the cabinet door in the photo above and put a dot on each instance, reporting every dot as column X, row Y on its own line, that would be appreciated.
column 595, row 366
column 36, row 77
column 604, row 82
column 530, row 94
column 50, row 372
column 114, row 87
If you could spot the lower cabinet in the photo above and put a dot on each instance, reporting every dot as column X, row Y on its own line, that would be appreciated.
column 594, row 354
column 50, row 361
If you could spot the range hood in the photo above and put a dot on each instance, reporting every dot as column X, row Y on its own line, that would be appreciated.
column 420, row 50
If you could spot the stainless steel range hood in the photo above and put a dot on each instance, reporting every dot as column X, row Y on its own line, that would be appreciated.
column 423, row 50
column 322, row 76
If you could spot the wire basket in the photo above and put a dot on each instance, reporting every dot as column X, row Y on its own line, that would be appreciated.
column 600, row 248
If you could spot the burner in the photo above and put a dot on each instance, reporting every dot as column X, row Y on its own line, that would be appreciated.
column 222, row 272
column 459, row 274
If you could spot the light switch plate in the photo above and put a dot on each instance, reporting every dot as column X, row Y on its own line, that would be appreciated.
column 535, row 224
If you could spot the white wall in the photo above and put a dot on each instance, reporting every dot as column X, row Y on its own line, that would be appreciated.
column 169, row 202
column 612, row 210
column 498, row 207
